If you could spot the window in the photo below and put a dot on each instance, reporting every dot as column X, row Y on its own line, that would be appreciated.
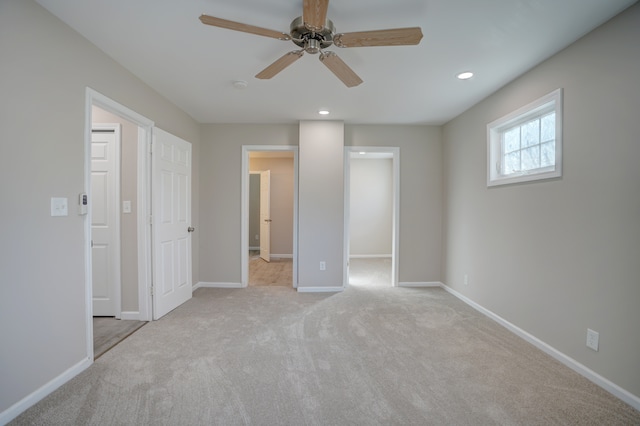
column 526, row 145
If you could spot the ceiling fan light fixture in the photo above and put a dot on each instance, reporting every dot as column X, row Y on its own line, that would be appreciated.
column 465, row 75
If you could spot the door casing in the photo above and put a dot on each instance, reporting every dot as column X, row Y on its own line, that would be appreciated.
column 244, row 227
column 145, row 126
column 395, row 238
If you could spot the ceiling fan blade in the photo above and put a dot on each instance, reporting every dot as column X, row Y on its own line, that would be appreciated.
column 392, row 37
column 280, row 64
column 340, row 69
column 314, row 14
column 237, row 26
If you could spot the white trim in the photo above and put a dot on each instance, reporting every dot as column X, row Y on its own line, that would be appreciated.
column 144, row 196
column 33, row 398
column 130, row 315
column 282, row 256
column 244, row 227
column 395, row 237
column 218, row 285
column 420, row 284
column 494, row 142
column 302, row 289
column 579, row 368
column 254, row 247
column 370, row 256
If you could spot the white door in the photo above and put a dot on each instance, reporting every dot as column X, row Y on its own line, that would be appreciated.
column 105, row 229
column 171, row 222
column 265, row 215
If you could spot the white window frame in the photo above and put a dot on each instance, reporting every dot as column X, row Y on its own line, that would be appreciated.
column 496, row 129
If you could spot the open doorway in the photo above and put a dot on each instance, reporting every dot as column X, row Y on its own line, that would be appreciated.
column 371, row 216
column 269, row 226
column 117, row 283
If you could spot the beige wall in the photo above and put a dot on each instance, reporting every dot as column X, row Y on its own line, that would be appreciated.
column 558, row 257
column 128, row 221
column 321, row 204
column 370, row 207
column 281, row 203
column 220, row 204
column 45, row 69
column 420, row 194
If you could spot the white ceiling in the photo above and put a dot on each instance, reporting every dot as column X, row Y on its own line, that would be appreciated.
column 194, row 65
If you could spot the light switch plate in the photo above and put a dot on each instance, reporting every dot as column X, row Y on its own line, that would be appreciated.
column 59, row 206
column 126, row 206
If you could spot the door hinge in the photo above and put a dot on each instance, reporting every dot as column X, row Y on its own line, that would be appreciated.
column 150, row 220
column 150, row 148
column 151, row 290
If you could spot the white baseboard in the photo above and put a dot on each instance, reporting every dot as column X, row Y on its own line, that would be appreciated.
column 420, row 284
column 579, row 368
column 19, row 407
column 218, row 285
column 130, row 315
column 369, row 256
column 282, row 256
column 254, row 248
column 302, row 289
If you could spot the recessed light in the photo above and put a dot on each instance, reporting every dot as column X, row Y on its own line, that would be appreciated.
column 323, row 112
column 465, row 75
column 362, row 153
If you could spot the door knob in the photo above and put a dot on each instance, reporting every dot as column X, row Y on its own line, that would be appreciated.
column 191, row 229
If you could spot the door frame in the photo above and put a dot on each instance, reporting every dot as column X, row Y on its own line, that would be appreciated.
column 145, row 125
column 244, row 227
column 395, row 237
column 116, row 253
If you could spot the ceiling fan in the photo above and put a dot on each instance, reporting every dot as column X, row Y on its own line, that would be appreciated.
column 313, row 32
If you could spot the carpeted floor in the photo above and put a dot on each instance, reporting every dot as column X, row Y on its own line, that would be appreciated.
column 108, row 332
column 366, row 356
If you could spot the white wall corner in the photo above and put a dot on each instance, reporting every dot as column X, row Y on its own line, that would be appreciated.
column 579, row 368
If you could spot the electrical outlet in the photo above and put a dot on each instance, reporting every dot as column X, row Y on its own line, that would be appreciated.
column 323, row 266
column 257, row 237
column 466, row 279
column 592, row 339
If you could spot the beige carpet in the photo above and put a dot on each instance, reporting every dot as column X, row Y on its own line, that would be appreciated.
column 367, row 356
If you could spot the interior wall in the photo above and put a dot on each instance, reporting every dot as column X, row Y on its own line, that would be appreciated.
column 421, row 194
column 128, row 221
column 371, row 207
column 220, row 192
column 557, row 257
column 46, row 67
column 321, row 204
column 282, row 176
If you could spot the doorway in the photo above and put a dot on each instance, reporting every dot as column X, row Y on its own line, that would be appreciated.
column 269, row 216
column 132, row 301
column 371, row 216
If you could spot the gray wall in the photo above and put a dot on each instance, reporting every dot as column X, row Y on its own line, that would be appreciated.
column 558, row 257
column 45, row 69
column 370, row 207
column 282, row 175
column 321, row 204
column 220, row 205
column 420, row 194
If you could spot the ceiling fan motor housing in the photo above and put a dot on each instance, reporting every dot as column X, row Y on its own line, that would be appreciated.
column 311, row 41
